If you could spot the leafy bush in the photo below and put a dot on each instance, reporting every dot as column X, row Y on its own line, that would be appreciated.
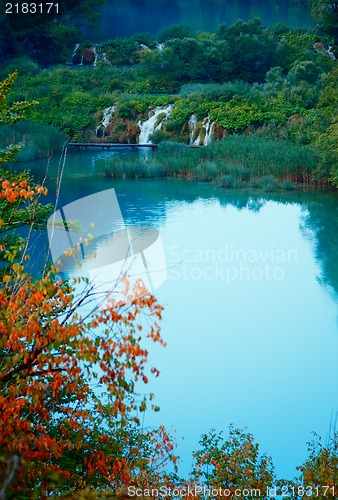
column 174, row 31
column 287, row 185
column 228, row 181
column 206, row 171
column 269, row 183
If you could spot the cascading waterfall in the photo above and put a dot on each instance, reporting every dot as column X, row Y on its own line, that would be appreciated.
column 152, row 124
column 160, row 46
column 96, row 55
column 156, row 119
column 145, row 47
column 192, row 128
column 208, row 126
column 324, row 49
column 76, row 49
column 330, row 53
column 107, row 116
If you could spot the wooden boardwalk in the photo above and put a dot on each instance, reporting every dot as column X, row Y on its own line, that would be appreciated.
column 109, row 145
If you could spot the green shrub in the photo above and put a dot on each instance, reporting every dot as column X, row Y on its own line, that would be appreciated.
column 287, row 185
column 269, row 183
column 206, row 171
column 160, row 136
column 242, row 173
column 153, row 169
column 228, row 181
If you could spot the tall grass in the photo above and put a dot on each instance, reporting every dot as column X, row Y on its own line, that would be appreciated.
column 262, row 157
column 233, row 161
column 36, row 139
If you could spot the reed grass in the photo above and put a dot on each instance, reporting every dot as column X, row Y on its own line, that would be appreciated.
column 37, row 140
column 231, row 162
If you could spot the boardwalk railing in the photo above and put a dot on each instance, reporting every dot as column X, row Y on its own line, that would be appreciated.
column 109, row 145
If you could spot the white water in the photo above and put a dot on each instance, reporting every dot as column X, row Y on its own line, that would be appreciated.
column 208, row 126
column 96, row 55
column 324, row 49
column 160, row 46
column 192, row 128
column 331, row 54
column 145, row 47
column 76, row 48
column 107, row 116
column 152, row 124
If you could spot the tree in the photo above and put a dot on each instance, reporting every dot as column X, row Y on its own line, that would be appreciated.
column 19, row 199
column 319, row 472
column 233, row 464
column 69, row 409
column 326, row 142
column 325, row 12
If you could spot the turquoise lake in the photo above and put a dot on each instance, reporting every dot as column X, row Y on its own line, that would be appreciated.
column 250, row 302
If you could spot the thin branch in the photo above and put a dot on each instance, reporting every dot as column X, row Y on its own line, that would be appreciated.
column 12, row 466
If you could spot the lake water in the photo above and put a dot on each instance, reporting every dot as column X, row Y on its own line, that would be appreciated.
column 250, row 303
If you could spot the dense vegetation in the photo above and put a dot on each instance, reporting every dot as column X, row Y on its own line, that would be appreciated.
column 273, row 83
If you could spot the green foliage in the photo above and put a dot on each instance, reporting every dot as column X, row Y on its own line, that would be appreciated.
column 10, row 114
column 180, row 114
column 304, row 71
column 159, row 136
column 326, row 138
column 233, row 462
column 121, row 51
column 229, row 162
column 19, row 205
column 228, row 181
column 24, row 66
column 35, row 139
column 132, row 106
column 179, row 31
column 326, row 15
column 286, row 91
column 287, row 185
column 269, row 183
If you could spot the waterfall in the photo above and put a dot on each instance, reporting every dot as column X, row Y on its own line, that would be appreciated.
column 107, row 116
column 145, row 47
column 160, row 46
column 324, row 49
column 152, row 124
column 330, row 53
column 76, row 49
column 208, row 127
column 96, row 55
column 192, row 128
column 197, row 142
